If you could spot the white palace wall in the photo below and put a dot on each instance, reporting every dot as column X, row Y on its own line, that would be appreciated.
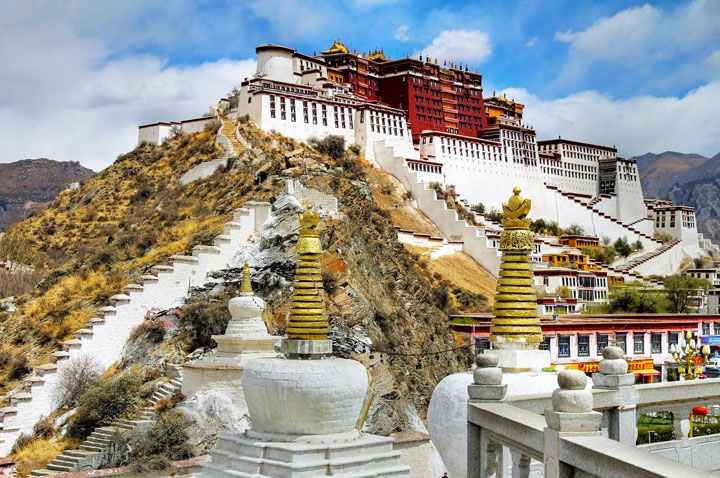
column 475, row 243
column 105, row 336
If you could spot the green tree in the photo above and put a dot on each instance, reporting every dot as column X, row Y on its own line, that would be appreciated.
column 575, row 230
column 622, row 247
column 563, row 291
column 479, row 208
column 635, row 300
column 679, row 288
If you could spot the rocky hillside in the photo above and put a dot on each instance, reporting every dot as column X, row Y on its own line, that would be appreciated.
column 31, row 183
column 687, row 179
column 135, row 213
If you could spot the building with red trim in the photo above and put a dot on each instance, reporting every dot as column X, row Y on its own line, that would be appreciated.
column 577, row 340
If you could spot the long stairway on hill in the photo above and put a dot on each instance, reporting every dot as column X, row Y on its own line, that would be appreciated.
column 105, row 336
column 97, row 449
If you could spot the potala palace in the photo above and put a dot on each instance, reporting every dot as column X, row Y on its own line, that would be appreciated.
column 427, row 122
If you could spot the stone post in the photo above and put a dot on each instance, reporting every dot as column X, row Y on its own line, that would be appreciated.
column 487, row 387
column 571, row 414
column 613, row 376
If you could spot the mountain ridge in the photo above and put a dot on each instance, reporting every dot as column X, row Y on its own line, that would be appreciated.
column 28, row 184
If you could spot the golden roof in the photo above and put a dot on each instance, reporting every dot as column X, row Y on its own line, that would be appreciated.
column 337, row 47
column 378, row 55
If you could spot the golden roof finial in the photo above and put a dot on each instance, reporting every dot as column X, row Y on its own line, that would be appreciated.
column 246, row 286
column 308, row 316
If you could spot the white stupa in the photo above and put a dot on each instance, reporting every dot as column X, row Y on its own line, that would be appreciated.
column 245, row 338
column 306, row 407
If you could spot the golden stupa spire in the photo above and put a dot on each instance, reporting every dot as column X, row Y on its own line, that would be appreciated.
column 245, row 287
column 515, row 324
column 308, row 318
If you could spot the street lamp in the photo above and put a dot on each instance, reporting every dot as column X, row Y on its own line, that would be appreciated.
column 690, row 355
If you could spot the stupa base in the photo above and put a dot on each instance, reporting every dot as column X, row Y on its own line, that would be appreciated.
column 221, row 372
column 514, row 361
column 364, row 456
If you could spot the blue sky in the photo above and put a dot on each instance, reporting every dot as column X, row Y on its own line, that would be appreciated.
column 644, row 76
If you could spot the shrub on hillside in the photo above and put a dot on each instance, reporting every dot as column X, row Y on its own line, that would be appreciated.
column 333, row 146
column 203, row 317
column 74, row 379
column 104, row 402
column 166, row 441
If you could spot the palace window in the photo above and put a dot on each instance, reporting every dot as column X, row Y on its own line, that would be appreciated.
column 564, row 346
column 656, row 343
column 583, row 345
column 602, row 342
column 639, row 343
column 545, row 344
column 706, row 328
column 621, row 341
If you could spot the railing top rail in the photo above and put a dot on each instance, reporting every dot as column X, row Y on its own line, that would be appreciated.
column 512, row 426
column 690, row 391
column 606, row 458
column 538, row 402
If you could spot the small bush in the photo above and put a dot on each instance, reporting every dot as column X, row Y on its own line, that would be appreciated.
column 44, row 428
column 333, row 146
column 355, row 148
column 244, row 119
column 19, row 366
column 104, row 402
column 387, row 189
column 408, row 195
column 203, row 317
column 165, row 442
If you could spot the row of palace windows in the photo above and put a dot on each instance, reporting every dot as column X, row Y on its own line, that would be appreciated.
column 620, row 340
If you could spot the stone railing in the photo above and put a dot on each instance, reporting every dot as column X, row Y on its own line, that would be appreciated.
column 582, row 432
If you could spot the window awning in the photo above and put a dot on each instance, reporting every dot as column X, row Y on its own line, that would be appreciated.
column 647, row 371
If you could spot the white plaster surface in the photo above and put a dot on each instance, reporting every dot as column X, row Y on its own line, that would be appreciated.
column 447, row 412
column 304, row 397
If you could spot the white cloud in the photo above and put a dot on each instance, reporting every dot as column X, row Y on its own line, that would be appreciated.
column 469, row 46
column 402, row 33
column 531, row 42
column 635, row 125
column 713, row 60
column 613, row 37
column 640, row 38
column 65, row 99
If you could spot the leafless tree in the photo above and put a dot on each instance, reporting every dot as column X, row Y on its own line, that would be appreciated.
column 74, row 378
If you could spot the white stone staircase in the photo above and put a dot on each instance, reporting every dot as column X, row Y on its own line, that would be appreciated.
column 104, row 336
column 95, row 450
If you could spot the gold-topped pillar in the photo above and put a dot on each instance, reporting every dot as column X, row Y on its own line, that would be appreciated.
column 515, row 324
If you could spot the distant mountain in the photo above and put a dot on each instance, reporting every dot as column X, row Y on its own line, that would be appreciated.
column 685, row 179
column 31, row 183
column 659, row 172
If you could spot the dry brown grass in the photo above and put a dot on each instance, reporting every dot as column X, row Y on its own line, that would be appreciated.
column 462, row 270
column 39, row 453
column 387, row 192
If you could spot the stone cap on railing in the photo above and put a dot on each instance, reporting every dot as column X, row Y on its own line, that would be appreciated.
column 613, row 370
column 572, row 405
column 487, row 380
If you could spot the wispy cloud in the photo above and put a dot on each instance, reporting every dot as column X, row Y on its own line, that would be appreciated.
column 469, row 46
column 402, row 33
column 531, row 42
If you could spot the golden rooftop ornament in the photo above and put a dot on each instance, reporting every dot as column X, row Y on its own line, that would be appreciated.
column 308, row 317
column 515, row 324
